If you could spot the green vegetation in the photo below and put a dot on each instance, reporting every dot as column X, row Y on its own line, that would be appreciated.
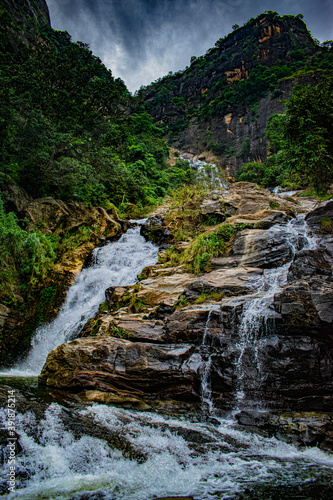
column 26, row 257
column 300, row 142
column 65, row 121
column 202, row 249
column 120, row 333
column 203, row 297
column 204, row 91
column 326, row 225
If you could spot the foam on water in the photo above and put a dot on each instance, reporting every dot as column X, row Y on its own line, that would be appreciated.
column 180, row 457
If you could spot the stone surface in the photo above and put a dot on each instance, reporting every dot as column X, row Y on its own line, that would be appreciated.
column 191, row 324
column 247, row 203
column 110, row 365
column 154, row 230
column 14, row 197
column 54, row 216
column 260, row 248
column 163, row 289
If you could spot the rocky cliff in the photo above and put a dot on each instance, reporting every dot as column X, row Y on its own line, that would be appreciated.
column 254, row 331
column 25, row 9
column 223, row 100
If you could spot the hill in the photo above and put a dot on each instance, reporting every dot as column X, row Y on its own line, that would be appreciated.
column 222, row 102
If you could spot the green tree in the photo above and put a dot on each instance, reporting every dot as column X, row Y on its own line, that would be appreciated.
column 309, row 132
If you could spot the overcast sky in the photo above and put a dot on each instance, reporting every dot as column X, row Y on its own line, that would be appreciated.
column 141, row 40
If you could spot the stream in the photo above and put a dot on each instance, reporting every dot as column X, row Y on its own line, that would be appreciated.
column 68, row 450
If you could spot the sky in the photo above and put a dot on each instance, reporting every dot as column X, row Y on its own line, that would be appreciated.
column 142, row 40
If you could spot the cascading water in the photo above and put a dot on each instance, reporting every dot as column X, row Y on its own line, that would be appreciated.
column 105, row 453
column 206, row 390
column 258, row 314
column 115, row 264
column 69, row 450
column 207, row 174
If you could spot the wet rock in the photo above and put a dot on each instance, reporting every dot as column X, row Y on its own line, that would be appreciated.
column 113, row 365
column 253, row 418
column 305, row 428
column 139, row 328
column 245, row 202
column 114, row 399
column 260, row 248
column 315, row 217
column 154, row 230
column 310, row 263
column 305, row 308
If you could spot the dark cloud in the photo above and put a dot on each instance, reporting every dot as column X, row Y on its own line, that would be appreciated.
column 141, row 40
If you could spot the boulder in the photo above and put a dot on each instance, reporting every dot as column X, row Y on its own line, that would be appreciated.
column 112, row 365
column 315, row 217
column 235, row 281
column 261, row 248
column 154, row 230
column 305, row 428
column 163, row 289
column 242, row 199
column 54, row 216
column 14, row 197
column 305, row 308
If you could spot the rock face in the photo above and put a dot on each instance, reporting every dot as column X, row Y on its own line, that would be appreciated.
column 191, row 102
column 256, row 330
column 137, row 368
column 54, row 216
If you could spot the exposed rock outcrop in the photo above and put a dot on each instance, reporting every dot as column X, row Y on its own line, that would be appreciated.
column 119, row 365
column 55, row 216
column 265, row 329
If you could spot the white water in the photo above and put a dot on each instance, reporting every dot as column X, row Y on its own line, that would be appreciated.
column 207, row 174
column 178, row 457
column 171, row 456
column 259, row 311
column 115, row 264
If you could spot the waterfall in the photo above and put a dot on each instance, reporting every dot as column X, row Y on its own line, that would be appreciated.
column 258, row 314
column 206, row 389
column 207, row 174
column 70, row 450
column 116, row 264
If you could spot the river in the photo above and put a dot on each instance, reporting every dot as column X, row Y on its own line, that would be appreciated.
column 66, row 449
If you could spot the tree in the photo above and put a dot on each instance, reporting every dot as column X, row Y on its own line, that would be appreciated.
column 309, row 132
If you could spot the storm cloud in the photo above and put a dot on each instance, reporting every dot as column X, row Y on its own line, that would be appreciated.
column 142, row 40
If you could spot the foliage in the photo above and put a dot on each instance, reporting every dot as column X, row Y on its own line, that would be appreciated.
column 326, row 225
column 25, row 257
column 264, row 174
column 201, row 249
column 309, row 131
column 300, row 145
column 203, row 297
column 120, row 333
column 64, row 120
